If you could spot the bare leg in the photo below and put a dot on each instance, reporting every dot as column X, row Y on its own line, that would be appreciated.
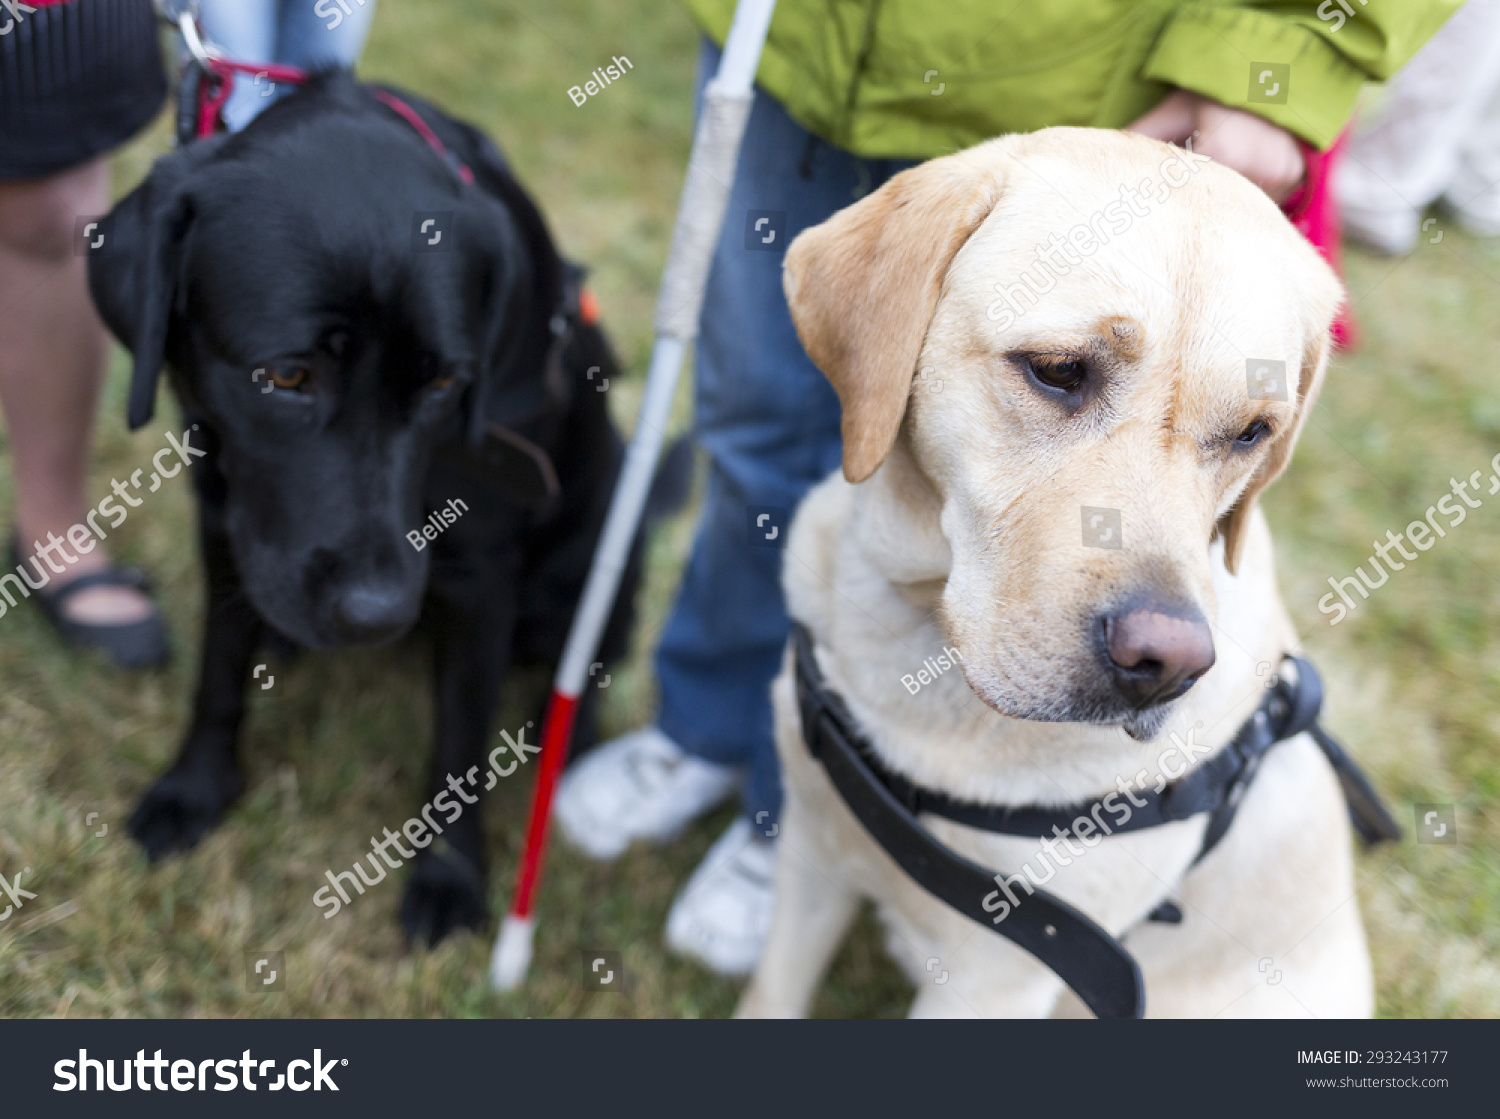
column 52, row 360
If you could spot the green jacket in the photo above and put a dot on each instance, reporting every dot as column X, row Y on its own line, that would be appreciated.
column 920, row 78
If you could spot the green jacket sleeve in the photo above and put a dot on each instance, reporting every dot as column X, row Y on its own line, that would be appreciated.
column 1323, row 53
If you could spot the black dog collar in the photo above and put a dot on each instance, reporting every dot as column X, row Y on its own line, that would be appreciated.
column 1086, row 957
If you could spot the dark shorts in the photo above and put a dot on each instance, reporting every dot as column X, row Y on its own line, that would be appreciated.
column 77, row 79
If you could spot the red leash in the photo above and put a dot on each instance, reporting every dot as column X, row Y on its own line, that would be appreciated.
column 1314, row 210
column 218, row 83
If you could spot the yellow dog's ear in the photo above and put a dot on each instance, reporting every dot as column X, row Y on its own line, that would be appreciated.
column 1232, row 525
column 863, row 285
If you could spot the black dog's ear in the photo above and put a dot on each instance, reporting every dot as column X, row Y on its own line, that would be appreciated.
column 525, row 290
column 492, row 173
column 133, row 277
column 526, row 295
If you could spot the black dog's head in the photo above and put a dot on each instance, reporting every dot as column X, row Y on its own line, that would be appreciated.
column 332, row 298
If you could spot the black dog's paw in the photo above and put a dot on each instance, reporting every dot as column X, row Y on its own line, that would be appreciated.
column 180, row 808
column 446, row 893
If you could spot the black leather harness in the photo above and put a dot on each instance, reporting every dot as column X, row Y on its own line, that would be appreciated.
column 1081, row 953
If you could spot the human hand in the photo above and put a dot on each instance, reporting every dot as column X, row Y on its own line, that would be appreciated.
column 1266, row 155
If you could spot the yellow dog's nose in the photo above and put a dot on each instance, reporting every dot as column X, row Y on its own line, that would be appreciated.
column 1157, row 652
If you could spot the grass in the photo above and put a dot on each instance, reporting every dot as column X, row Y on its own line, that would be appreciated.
column 336, row 749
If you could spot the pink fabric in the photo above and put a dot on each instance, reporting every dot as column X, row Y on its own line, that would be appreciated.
column 1314, row 210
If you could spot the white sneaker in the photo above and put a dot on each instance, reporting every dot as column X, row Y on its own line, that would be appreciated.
column 722, row 916
column 1373, row 212
column 638, row 786
column 1480, row 216
column 1388, row 232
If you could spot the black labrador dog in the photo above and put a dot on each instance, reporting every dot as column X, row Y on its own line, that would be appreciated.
column 366, row 322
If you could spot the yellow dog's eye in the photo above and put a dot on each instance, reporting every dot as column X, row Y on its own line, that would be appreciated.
column 1253, row 434
column 289, row 377
column 1065, row 373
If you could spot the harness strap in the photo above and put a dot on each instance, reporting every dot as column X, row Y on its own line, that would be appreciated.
column 1081, row 953
column 1367, row 813
column 424, row 130
column 217, row 82
column 1290, row 707
column 214, row 83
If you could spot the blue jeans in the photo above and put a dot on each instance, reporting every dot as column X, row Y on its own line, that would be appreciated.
column 304, row 33
column 769, row 421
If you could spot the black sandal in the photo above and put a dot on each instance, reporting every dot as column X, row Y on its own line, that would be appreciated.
column 141, row 644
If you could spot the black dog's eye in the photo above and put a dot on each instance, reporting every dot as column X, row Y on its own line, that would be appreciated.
column 1065, row 373
column 1253, row 434
column 434, row 373
column 289, row 376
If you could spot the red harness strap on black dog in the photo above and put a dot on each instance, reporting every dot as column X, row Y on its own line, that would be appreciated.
column 410, row 115
column 218, row 84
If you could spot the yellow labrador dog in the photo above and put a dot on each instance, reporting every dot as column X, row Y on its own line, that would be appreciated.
column 1045, row 329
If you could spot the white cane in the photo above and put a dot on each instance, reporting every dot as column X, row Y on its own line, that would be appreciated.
column 700, row 215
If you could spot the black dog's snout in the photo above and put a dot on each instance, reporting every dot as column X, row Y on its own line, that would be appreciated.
column 368, row 612
column 361, row 594
column 1156, row 652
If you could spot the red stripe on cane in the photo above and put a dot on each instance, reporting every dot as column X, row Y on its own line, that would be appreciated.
column 557, row 730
